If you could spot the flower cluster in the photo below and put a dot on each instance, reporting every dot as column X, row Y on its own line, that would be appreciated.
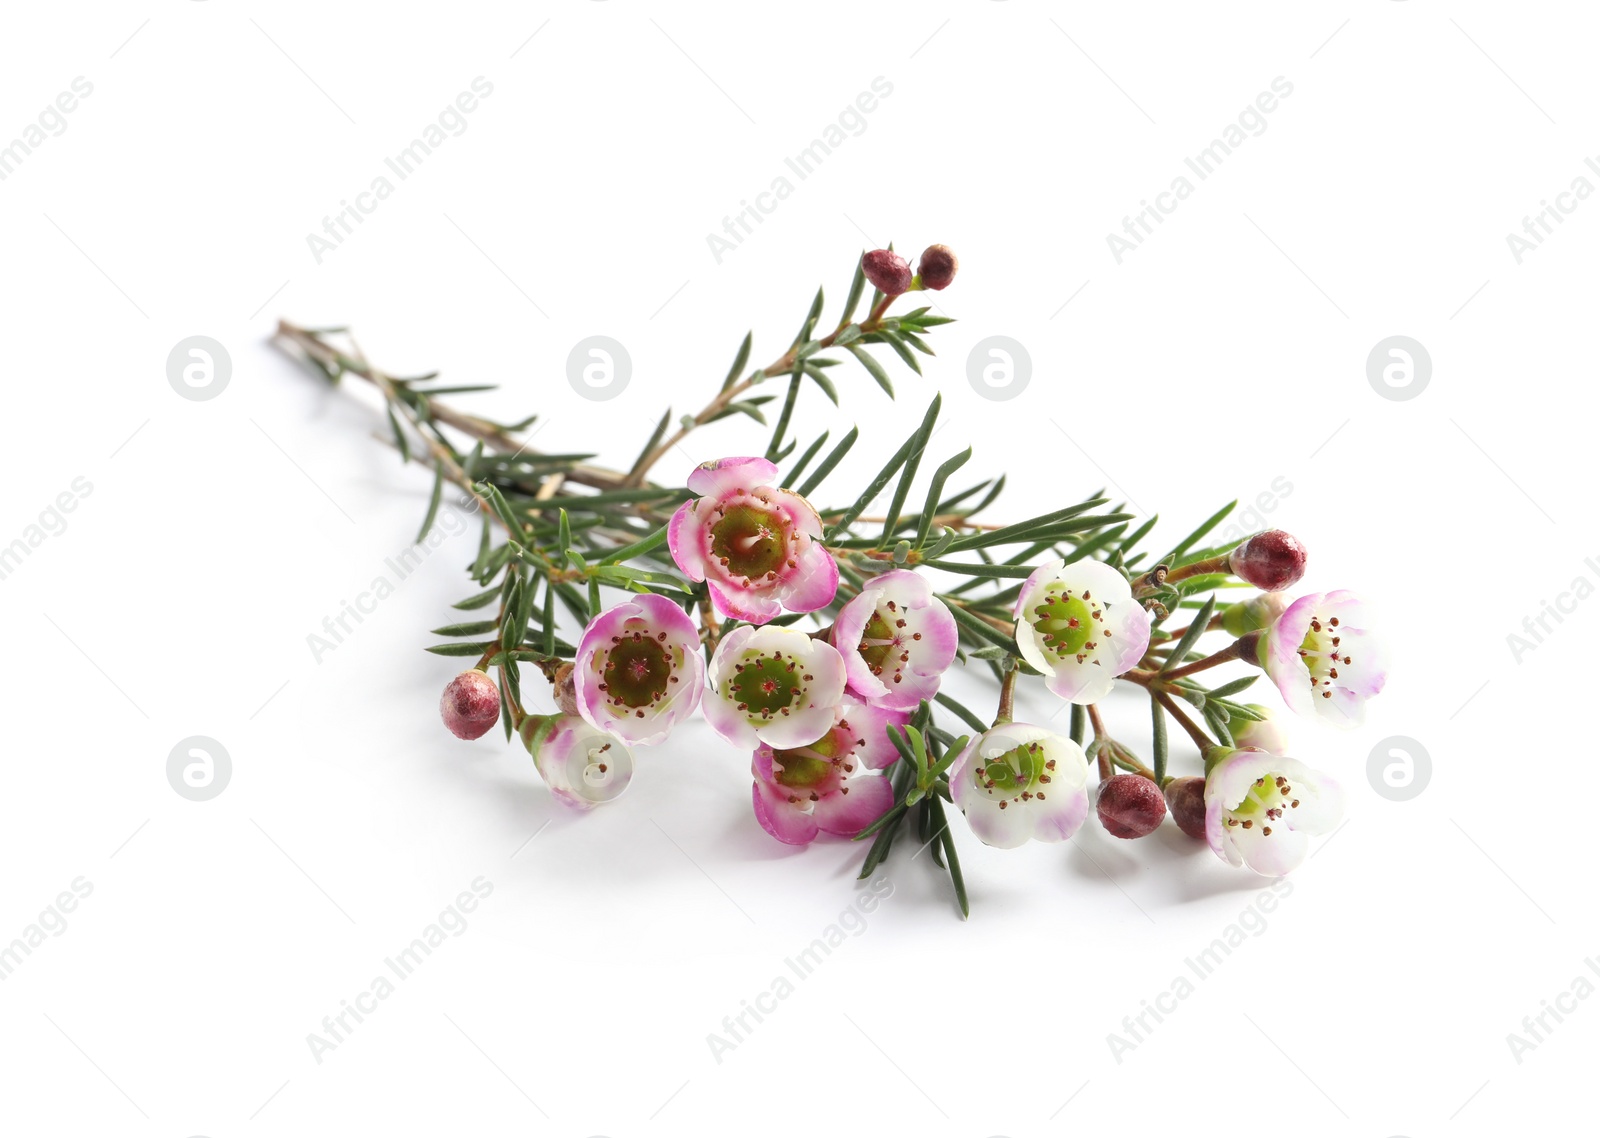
column 817, row 641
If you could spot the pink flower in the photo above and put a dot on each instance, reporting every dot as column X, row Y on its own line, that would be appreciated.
column 1324, row 659
column 1261, row 806
column 897, row 639
column 802, row 791
column 757, row 548
column 774, row 686
column 1081, row 627
column 582, row 766
column 1017, row 782
column 639, row 670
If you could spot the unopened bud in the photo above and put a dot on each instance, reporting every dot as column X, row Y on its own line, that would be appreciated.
column 564, row 690
column 1260, row 611
column 1186, row 798
column 470, row 704
column 1130, row 806
column 888, row 271
column 937, row 268
column 1265, row 733
column 1272, row 560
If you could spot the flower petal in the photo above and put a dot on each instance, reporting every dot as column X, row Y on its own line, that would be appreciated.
column 714, row 479
column 779, row 817
column 815, row 580
column 686, row 539
column 855, row 806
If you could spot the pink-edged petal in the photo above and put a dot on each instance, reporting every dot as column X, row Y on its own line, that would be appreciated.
column 686, row 540
column 870, row 723
column 1035, row 583
column 855, row 806
column 779, row 817
column 826, row 666
column 799, row 511
column 1080, row 683
column 936, row 651
column 909, row 692
column 1127, row 639
column 729, row 722
column 797, row 729
column 743, row 605
column 815, row 580
column 1060, row 815
column 725, row 475
column 1003, row 829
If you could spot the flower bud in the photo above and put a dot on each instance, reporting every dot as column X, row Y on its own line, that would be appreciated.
column 565, row 690
column 1266, row 733
column 1272, row 560
column 1186, row 798
column 470, row 704
column 937, row 268
column 1260, row 611
column 583, row 767
column 1130, row 806
column 888, row 271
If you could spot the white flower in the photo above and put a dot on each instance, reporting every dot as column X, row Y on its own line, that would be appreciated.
column 1261, row 806
column 1018, row 782
column 1081, row 627
column 583, row 767
column 773, row 685
column 897, row 639
column 1323, row 658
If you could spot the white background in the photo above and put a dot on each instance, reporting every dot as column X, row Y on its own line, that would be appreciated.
column 1227, row 352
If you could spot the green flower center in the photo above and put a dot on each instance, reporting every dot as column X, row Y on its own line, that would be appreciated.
column 1068, row 624
column 797, row 770
column 877, row 643
column 749, row 541
column 637, row 670
column 764, row 686
column 1269, row 797
column 1017, row 775
column 1322, row 655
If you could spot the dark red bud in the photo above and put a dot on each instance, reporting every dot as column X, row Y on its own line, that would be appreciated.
column 889, row 272
column 470, row 705
column 937, row 268
column 1273, row 560
column 1130, row 806
column 1186, row 798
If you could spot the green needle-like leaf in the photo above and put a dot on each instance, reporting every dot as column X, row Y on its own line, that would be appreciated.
column 739, row 361
column 908, row 474
column 1195, row 630
column 874, row 368
column 433, row 500
column 833, row 459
